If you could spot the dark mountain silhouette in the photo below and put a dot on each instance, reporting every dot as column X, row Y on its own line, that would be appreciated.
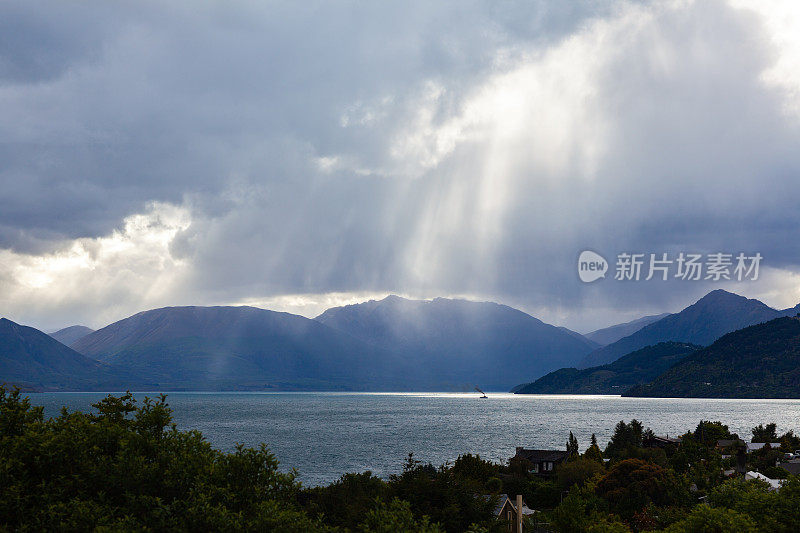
column 761, row 361
column 33, row 360
column 594, row 345
column 715, row 314
column 243, row 348
column 462, row 342
column 606, row 336
column 636, row 368
column 70, row 334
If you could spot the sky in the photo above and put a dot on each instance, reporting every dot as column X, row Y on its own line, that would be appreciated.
column 301, row 155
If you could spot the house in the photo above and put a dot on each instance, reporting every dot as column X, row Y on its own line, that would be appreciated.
column 542, row 462
column 753, row 446
column 659, row 441
column 774, row 484
column 506, row 510
column 725, row 444
column 793, row 467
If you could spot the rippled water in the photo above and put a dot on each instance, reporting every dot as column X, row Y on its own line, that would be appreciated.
column 324, row 435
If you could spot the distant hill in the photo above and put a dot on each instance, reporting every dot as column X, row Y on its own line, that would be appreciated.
column 71, row 334
column 761, row 361
column 239, row 348
column 35, row 361
column 594, row 345
column 715, row 314
column 635, row 368
column 606, row 336
column 462, row 342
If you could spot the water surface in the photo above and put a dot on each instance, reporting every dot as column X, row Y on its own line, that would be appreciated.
column 323, row 435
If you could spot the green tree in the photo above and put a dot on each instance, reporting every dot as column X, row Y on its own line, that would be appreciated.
column 593, row 452
column 709, row 433
column 632, row 484
column 572, row 446
column 705, row 519
column 125, row 467
column 394, row 517
column 768, row 433
column 577, row 472
column 625, row 438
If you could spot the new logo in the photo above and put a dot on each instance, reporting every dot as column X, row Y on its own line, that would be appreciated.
column 591, row 266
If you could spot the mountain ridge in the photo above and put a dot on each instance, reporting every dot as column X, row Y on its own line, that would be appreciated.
column 715, row 314
column 759, row 361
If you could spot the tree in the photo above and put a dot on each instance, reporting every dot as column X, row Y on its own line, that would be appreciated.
column 713, row 520
column 127, row 467
column 593, row 452
column 766, row 433
column 577, row 472
column 709, row 433
column 625, row 437
column 346, row 501
column 632, row 484
column 396, row 516
column 572, row 446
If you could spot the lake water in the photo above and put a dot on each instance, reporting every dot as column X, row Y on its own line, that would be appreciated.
column 324, row 435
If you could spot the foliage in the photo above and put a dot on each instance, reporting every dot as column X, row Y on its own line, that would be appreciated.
column 127, row 467
column 572, row 446
column 625, row 437
column 593, row 451
column 397, row 516
column 708, row 432
column 762, row 433
column 345, row 502
column 441, row 494
column 632, row 484
column 577, row 472
column 712, row 520
column 759, row 361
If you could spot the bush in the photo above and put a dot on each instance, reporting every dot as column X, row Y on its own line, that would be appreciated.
column 127, row 467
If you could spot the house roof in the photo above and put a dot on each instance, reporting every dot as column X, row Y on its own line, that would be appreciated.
column 501, row 502
column 665, row 439
column 774, row 484
column 538, row 456
column 792, row 467
column 503, row 499
column 752, row 446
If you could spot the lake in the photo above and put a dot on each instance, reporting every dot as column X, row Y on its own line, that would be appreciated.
column 324, row 435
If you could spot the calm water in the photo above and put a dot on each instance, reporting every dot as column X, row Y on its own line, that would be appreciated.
column 324, row 435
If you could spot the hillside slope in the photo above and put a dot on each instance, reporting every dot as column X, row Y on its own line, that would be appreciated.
column 635, row 368
column 240, row 348
column 761, row 361
column 715, row 314
column 483, row 343
column 35, row 361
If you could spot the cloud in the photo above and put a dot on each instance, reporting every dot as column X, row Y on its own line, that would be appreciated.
column 129, row 268
column 325, row 153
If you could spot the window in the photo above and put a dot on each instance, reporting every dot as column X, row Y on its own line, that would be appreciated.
column 535, row 468
column 548, row 466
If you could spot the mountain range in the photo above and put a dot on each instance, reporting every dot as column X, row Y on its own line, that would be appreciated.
column 459, row 342
column 241, row 348
column 639, row 367
column 33, row 360
column 761, row 361
column 71, row 334
column 605, row 336
column 389, row 344
column 715, row 314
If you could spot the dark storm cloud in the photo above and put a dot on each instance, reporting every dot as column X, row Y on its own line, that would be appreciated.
column 463, row 148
